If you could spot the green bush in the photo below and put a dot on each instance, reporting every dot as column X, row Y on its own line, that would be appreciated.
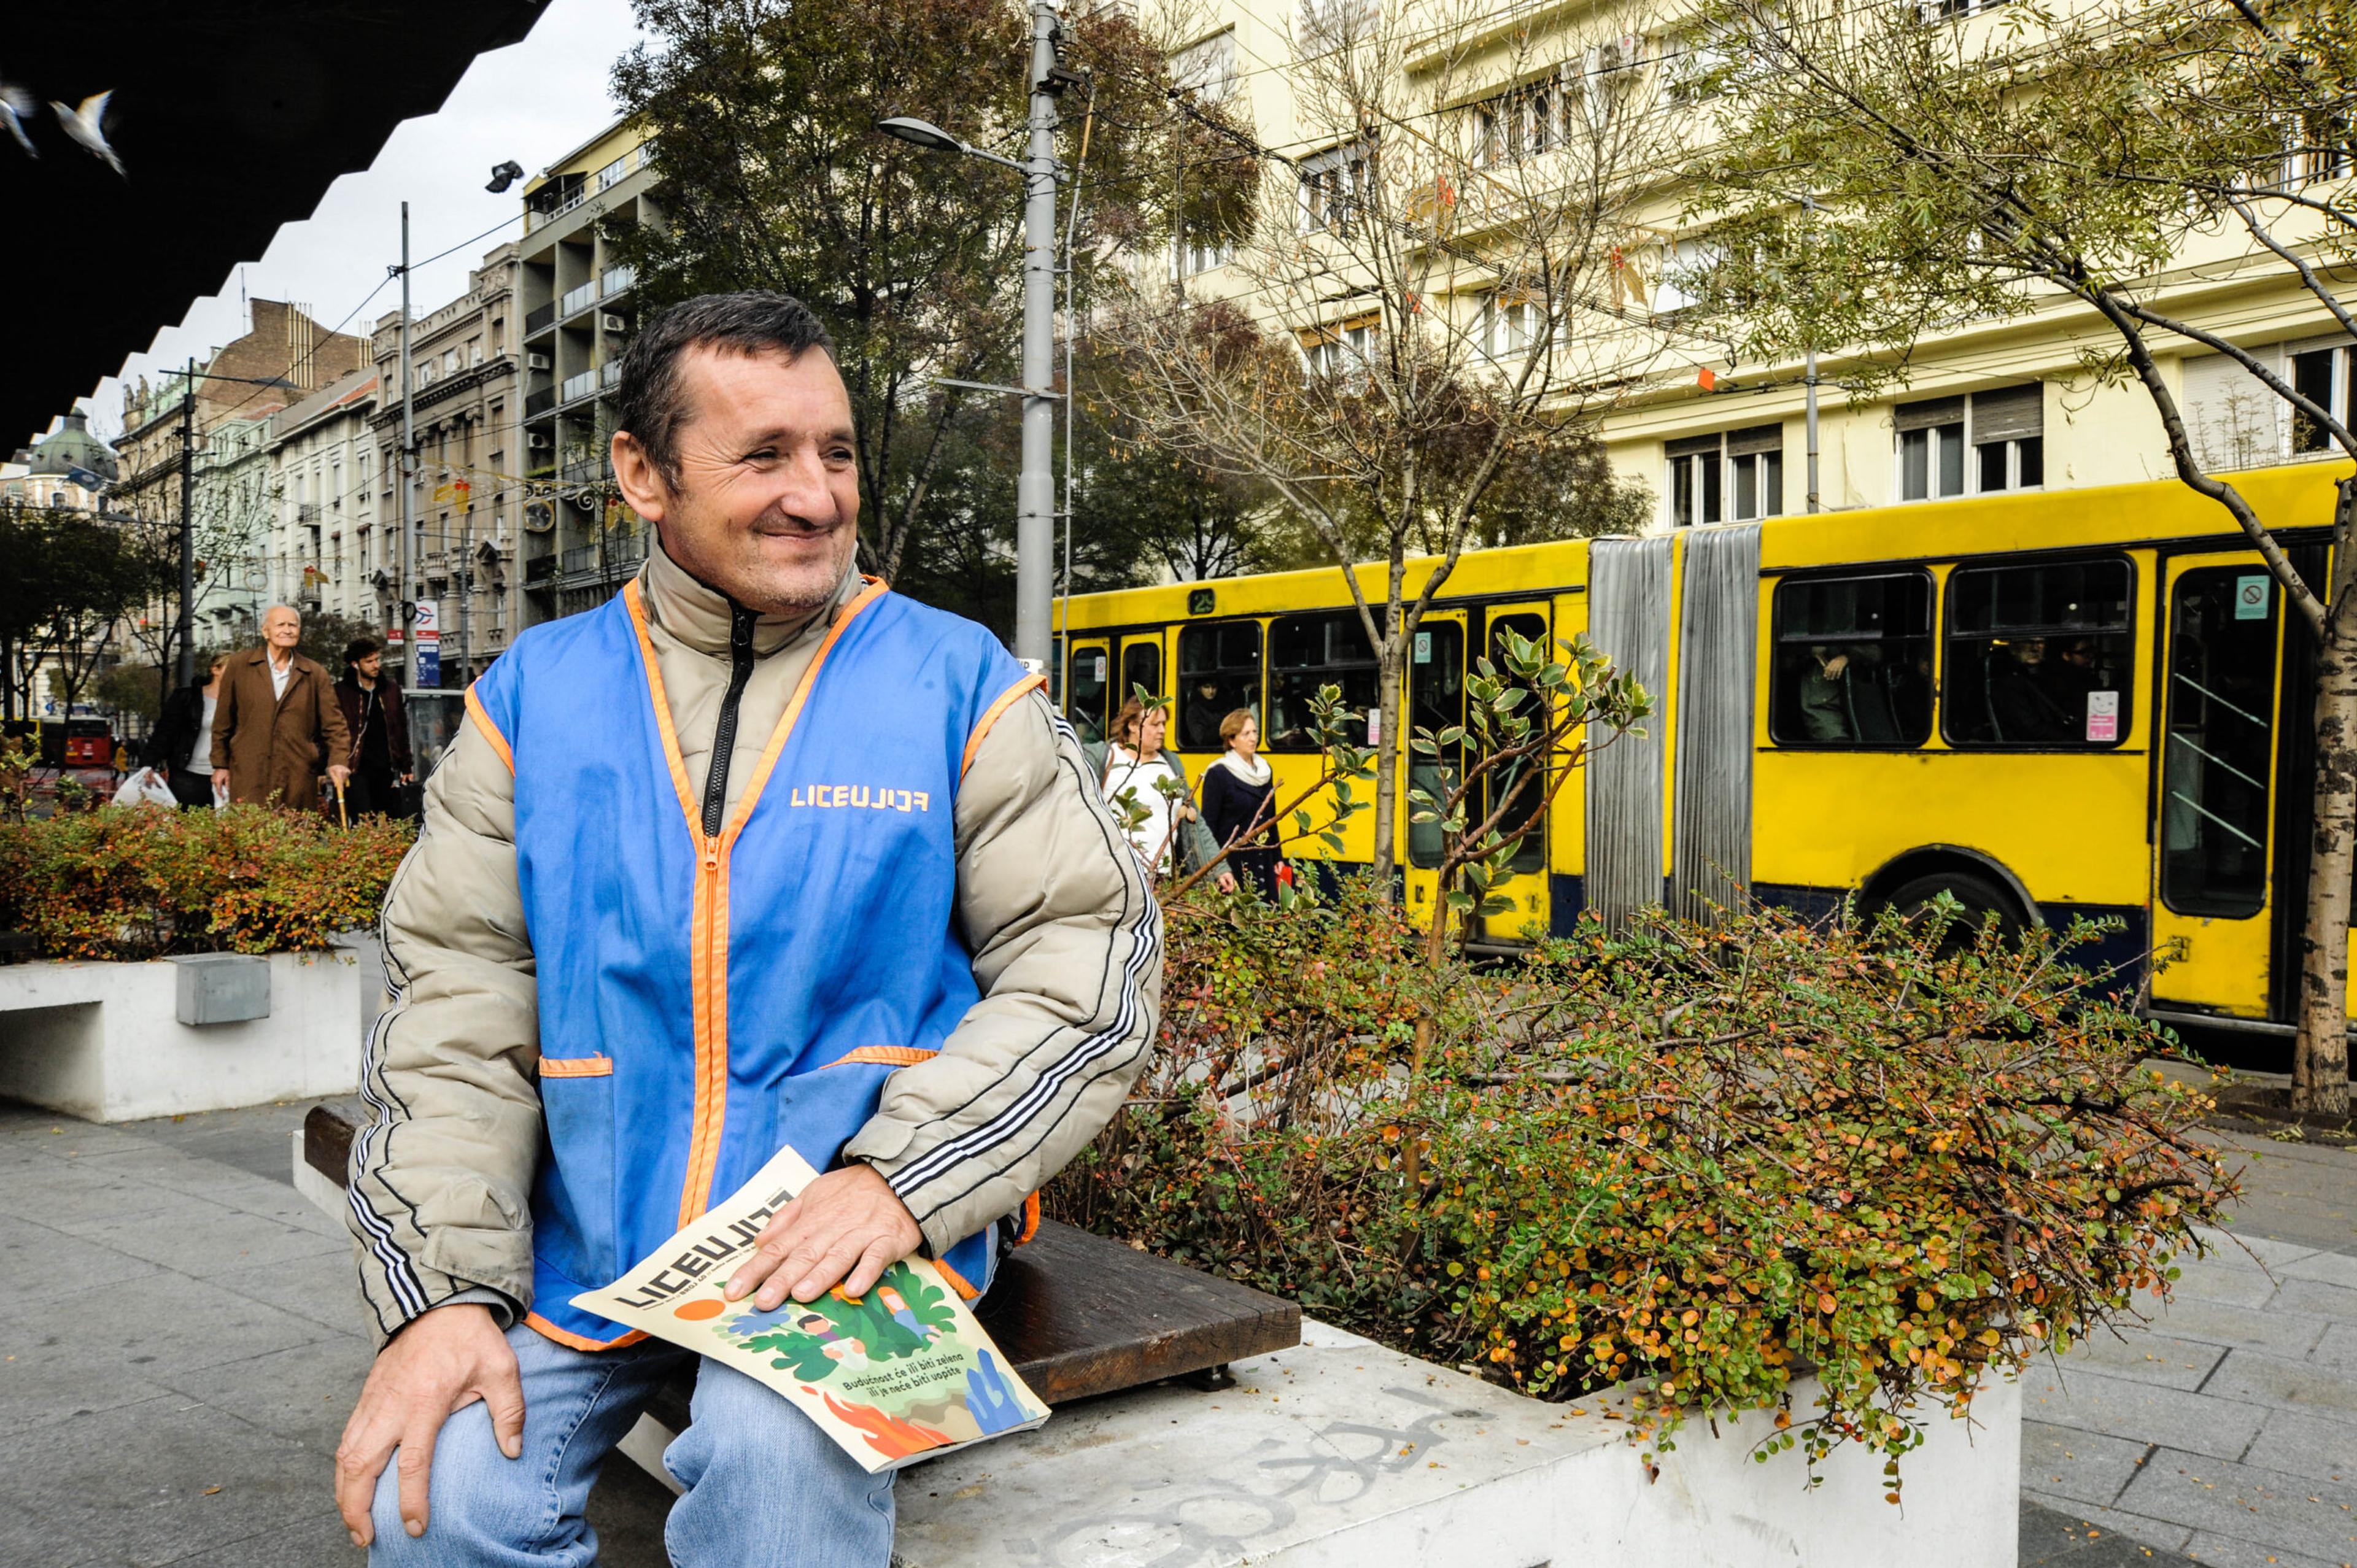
column 138, row 883
column 1693, row 1161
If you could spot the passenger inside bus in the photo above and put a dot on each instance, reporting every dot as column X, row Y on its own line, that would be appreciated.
column 1852, row 663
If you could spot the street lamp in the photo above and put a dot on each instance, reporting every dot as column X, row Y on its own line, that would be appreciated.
column 1035, row 491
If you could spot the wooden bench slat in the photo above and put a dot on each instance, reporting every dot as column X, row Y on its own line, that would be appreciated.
column 1078, row 1314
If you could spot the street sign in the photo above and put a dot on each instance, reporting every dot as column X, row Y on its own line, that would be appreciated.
column 429, row 643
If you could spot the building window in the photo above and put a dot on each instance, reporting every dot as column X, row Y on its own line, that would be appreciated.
column 1737, row 475
column 1948, row 10
column 1219, row 672
column 1306, row 652
column 1191, row 257
column 2321, row 376
column 1208, row 70
column 2039, row 657
column 1931, row 449
column 1523, row 123
column 1853, row 661
column 1333, row 184
column 1341, row 349
column 1512, row 328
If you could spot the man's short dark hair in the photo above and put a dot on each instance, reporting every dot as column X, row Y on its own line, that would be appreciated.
column 360, row 648
column 756, row 321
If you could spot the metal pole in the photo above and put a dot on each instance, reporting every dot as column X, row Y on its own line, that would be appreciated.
column 187, row 629
column 1034, row 490
column 1812, row 381
column 402, row 590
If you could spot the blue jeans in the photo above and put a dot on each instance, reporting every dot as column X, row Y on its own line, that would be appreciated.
column 766, row 1488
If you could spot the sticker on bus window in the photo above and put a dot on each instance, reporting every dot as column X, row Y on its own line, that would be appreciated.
column 2251, row 599
column 1423, row 647
column 1374, row 727
column 1100, row 668
column 2102, row 715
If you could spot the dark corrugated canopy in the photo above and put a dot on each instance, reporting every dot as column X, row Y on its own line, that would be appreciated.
column 233, row 117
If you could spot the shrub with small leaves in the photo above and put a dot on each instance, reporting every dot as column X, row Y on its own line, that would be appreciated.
column 1693, row 1161
column 132, row 881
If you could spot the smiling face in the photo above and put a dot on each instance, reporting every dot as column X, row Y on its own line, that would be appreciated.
column 282, row 629
column 766, row 504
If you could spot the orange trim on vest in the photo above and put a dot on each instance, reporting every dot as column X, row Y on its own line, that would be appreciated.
column 1030, row 1219
column 990, row 716
column 573, row 1341
column 708, row 928
column 957, row 1280
column 576, row 1066
column 889, row 1056
column 481, row 715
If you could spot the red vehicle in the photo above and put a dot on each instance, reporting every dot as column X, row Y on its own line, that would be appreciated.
column 82, row 750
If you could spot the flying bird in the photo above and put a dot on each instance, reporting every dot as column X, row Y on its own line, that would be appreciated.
column 15, row 106
column 82, row 126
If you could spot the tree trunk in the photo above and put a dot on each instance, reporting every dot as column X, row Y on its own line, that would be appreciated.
column 2321, row 1058
column 1388, row 755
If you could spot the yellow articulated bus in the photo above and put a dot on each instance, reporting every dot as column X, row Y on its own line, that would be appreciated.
column 2047, row 703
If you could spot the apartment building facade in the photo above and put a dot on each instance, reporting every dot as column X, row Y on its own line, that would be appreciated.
column 467, row 498
column 1983, row 407
column 321, row 452
column 578, row 305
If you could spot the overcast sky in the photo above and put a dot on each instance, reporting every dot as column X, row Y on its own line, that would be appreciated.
column 535, row 102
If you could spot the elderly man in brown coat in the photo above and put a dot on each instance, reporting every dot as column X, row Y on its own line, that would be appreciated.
column 278, row 725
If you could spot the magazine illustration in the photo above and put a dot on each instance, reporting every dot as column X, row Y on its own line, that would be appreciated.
column 899, row 1374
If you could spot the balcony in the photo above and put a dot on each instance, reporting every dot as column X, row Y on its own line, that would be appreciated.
column 578, row 300
column 576, row 388
column 540, row 319
column 539, row 570
column 306, row 513
column 587, row 470
column 539, row 402
column 609, row 375
column 580, row 558
column 615, row 280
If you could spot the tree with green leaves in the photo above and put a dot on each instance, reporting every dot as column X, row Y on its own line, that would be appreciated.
column 71, row 581
column 1888, row 172
column 773, row 176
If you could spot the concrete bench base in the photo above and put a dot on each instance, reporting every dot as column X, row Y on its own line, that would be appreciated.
column 1342, row 1452
column 104, row 1041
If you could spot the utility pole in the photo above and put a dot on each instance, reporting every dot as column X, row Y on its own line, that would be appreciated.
column 404, row 598
column 1811, row 378
column 186, row 630
column 1034, row 490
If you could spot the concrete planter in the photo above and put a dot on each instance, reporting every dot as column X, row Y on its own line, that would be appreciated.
column 1343, row 1453
column 108, row 1042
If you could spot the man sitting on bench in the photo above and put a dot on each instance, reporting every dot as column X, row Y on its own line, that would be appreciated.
column 757, row 853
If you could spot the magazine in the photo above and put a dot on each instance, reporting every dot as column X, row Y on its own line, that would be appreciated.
column 897, row 1375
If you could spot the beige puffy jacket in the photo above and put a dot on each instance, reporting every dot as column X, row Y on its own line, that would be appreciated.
column 1052, row 902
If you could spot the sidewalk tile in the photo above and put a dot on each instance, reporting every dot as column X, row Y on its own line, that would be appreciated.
column 72, row 1481
column 46, row 1264
column 306, row 1393
column 320, row 1542
column 323, row 1288
column 2328, row 1268
column 2337, row 1348
column 72, row 1197
column 2145, row 1355
column 2158, row 1534
column 2277, row 1330
column 42, row 1382
column 2223, row 1552
column 2302, row 1444
column 2142, row 1413
column 167, row 1325
column 2235, row 1245
column 2085, row 1467
column 2315, row 1298
column 2236, row 1282
column 222, row 1241
column 2265, row 1508
column 2256, row 1379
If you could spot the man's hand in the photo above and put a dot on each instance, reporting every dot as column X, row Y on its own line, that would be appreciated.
column 339, row 773
column 440, row 1364
column 845, row 1228
column 221, row 783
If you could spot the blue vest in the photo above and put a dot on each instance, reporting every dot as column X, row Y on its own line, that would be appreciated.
column 703, row 1001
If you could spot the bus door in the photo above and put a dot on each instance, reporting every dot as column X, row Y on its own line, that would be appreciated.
column 2212, row 895
column 1087, row 680
column 1435, row 702
column 1141, row 665
column 1527, row 886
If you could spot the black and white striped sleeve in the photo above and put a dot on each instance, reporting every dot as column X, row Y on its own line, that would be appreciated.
column 1067, row 942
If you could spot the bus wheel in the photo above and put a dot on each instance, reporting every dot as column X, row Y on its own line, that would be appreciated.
column 1983, row 901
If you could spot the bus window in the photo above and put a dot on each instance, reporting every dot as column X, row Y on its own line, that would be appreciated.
column 1306, row 652
column 1852, row 663
column 2222, row 691
column 1141, row 665
column 2039, row 656
column 1436, row 697
column 1086, row 690
column 1219, row 672
column 1531, row 854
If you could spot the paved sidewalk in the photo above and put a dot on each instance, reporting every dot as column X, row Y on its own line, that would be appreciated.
column 2226, row 1429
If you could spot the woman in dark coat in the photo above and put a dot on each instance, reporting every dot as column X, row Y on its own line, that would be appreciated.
column 180, row 747
column 1239, row 803
column 379, row 724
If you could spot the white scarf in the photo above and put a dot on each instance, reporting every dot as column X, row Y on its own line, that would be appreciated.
column 1255, row 773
